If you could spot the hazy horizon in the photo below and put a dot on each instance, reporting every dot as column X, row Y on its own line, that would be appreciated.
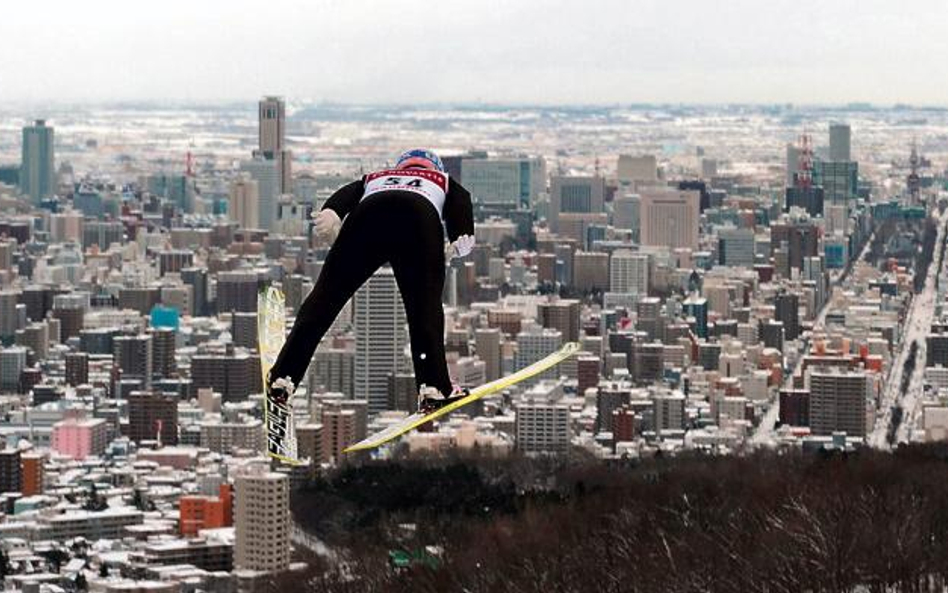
column 532, row 52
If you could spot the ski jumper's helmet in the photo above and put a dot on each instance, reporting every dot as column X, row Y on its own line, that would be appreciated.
column 419, row 157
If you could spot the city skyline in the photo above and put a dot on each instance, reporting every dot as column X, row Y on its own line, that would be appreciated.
column 525, row 53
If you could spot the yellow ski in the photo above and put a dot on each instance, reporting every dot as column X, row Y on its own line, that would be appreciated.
column 277, row 416
column 417, row 419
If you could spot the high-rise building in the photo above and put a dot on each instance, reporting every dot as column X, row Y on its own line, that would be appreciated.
column 272, row 140
column 153, row 416
column 787, row 311
column 381, row 338
column 736, row 247
column 80, row 438
column 70, row 310
column 266, row 174
column 591, row 271
column 33, row 472
column 629, row 272
column 799, row 239
column 237, row 291
column 12, row 363
column 11, row 471
column 514, row 183
column 669, row 411
column 8, row 315
column 839, row 180
column 135, row 357
column 163, row 352
column 697, row 307
column 77, row 368
column 309, row 442
column 235, row 373
column 38, row 165
column 542, row 427
column 633, row 169
column 262, row 520
column 339, row 431
column 626, row 212
column 562, row 315
column 839, row 142
column 839, row 401
column 223, row 437
column 244, row 204
column 334, row 370
column 670, row 218
column 487, row 347
column 575, row 195
column 533, row 345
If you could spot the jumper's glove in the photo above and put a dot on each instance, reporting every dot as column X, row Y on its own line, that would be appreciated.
column 459, row 248
column 327, row 225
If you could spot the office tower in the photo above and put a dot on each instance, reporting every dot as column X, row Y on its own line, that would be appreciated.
column 32, row 472
column 487, row 347
column 235, row 373
column 79, row 438
column 542, row 427
column 591, row 271
column 272, row 140
column 141, row 299
column 670, row 218
column 697, row 307
column 787, row 311
column 381, row 338
column 262, row 520
column 561, row 315
column 38, row 166
column 243, row 329
column 736, row 247
column 668, row 412
column 77, row 368
column 633, row 169
column 839, row 142
column 175, row 188
column 134, row 356
column 839, row 401
column 8, row 315
column 629, row 272
column 163, row 352
column 936, row 351
column 623, row 424
column 221, row 436
column 237, row 291
column 513, row 183
column 535, row 344
column 333, row 369
column 244, row 204
column 266, row 175
column 839, row 180
column 7, row 249
column 12, row 363
column 66, row 226
column 11, row 471
column 35, row 337
column 648, row 362
column 174, row 260
column 152, row 416
column 575, row 195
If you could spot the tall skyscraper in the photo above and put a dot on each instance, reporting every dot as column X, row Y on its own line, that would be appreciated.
column 262, row 520
column 506, row 182
column 134, row 356
column 670, row 218
column 839, row 142
column 381, row 338
column 244, row 204
column 38, row 165
column 8, row 315
column 736, row 247
column 787, row 311
column 272, row 140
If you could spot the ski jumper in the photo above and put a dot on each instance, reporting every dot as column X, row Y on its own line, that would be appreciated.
column 392, row 216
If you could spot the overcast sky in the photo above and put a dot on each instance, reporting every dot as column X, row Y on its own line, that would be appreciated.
column 511, row 51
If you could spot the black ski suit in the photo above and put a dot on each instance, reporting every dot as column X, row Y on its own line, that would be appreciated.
column 394, row 226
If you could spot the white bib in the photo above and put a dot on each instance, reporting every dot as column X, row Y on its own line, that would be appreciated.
column 431, row 185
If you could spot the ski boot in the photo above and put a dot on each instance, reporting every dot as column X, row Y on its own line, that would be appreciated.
column 280, row 390
column 431, row 400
